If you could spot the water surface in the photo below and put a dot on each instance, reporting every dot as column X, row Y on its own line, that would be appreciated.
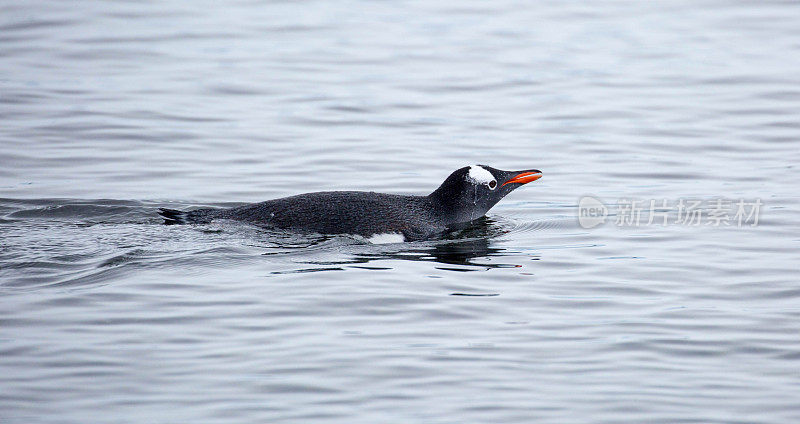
column 111, row 110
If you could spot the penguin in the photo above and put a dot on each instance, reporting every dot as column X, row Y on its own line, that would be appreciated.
column 466, row 195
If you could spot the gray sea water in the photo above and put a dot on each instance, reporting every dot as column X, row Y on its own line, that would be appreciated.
column 109, row 110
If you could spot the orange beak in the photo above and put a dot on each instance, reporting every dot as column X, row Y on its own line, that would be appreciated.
column 524, row 178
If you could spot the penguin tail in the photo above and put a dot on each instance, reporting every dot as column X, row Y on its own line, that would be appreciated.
column 173, row 216
column 197, row 216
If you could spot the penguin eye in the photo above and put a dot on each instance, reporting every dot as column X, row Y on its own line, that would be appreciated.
column 492, row 184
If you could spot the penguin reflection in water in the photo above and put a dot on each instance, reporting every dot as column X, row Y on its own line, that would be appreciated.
column 466, row 195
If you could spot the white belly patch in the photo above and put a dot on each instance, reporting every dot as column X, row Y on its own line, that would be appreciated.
column 386, row 238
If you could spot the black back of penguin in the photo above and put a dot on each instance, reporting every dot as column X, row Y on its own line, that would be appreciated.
column 344, row 212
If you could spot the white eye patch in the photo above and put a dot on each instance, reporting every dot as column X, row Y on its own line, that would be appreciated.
column 479, row 175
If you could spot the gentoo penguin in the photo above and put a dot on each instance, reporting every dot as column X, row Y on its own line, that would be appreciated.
column 466, row 195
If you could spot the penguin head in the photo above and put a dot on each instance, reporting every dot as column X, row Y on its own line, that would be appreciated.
column 468, row 193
